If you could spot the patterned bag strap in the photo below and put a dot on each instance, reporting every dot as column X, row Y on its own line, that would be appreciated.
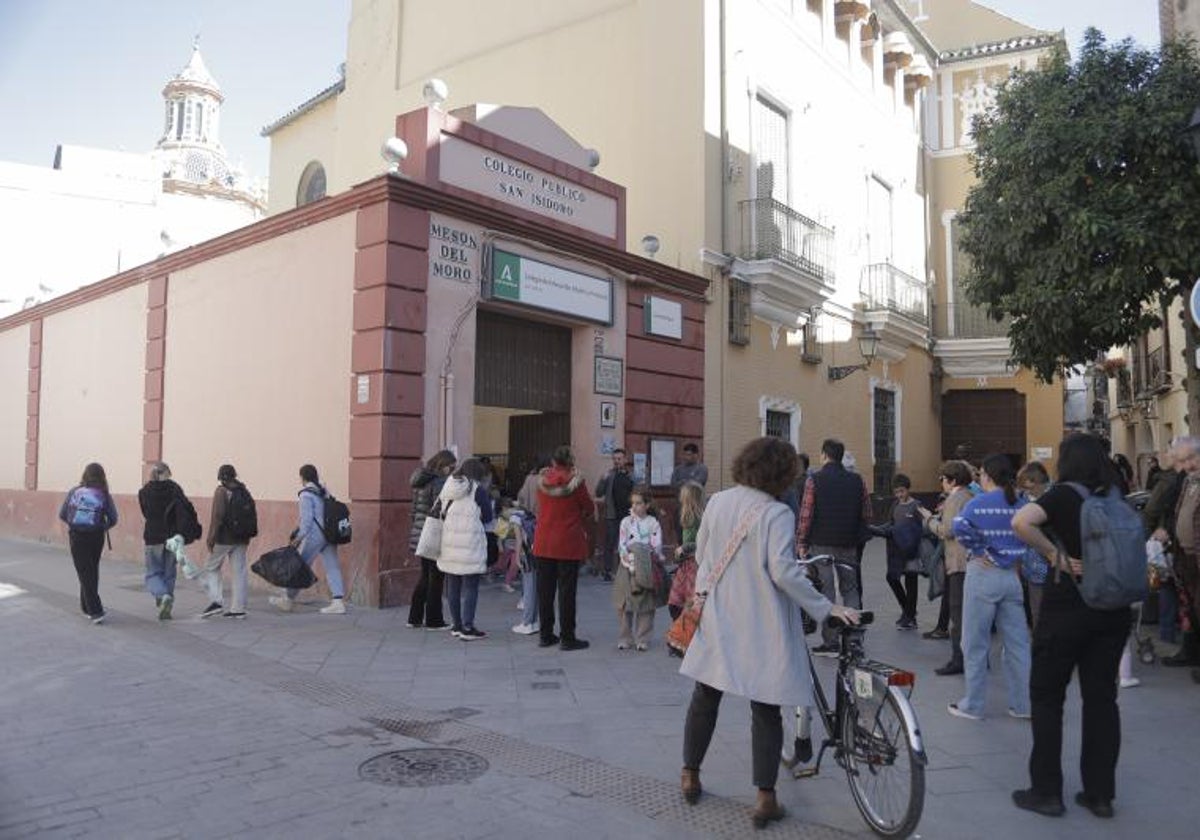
column 748, row 520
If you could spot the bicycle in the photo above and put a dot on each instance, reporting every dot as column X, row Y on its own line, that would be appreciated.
column 872, row 730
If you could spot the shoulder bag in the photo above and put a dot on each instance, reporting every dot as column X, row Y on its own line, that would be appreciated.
column 680, row 633
column 429, row 544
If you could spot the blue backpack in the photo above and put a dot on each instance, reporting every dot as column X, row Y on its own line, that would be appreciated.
column 1114, row 551
column 87, row 509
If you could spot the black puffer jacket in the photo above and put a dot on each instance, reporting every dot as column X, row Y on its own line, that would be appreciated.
column 426, row 485
column 153, row 499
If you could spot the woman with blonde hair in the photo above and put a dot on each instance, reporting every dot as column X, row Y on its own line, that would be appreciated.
column 683, row 585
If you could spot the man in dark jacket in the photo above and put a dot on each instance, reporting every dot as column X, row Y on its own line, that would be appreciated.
column 158, row 499
column 1159, row 518
column 614, row 491
column 223, row 542
column 834, row 513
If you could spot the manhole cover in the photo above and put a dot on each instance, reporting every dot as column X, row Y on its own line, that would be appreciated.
column 423, row 768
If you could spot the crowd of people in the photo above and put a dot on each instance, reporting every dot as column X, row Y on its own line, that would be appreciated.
column 1005, row 544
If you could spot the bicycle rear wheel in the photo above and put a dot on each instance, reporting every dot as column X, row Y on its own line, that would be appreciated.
column 886, row 778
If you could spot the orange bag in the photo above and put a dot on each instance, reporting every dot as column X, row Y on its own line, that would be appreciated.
column 679, row 634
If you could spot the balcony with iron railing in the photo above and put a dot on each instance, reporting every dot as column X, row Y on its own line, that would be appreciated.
column 971, row 321
column 883, row 286
column 771, row 230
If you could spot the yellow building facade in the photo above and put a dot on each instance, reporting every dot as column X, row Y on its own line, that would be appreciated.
column 789, row 150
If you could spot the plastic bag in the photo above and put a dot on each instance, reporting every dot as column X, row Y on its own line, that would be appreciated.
column 284, row 567
column 175, row 545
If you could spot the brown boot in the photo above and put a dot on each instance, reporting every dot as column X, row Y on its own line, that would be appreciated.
column 767, row 809
column 689, row 783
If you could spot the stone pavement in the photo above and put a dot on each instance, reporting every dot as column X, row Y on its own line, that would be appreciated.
column 220, row 728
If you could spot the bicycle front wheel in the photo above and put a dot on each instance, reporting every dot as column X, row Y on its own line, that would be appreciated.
column 886, row 777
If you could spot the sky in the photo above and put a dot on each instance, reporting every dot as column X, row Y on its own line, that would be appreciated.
column 91, row 72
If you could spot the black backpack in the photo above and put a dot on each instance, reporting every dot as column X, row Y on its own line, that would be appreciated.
column 241, row 517
column 336, row 527
column 182, row 513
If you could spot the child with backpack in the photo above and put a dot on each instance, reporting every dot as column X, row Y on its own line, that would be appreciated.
column 233, row 524
column 317, row 536
column 520, row 536
column 903, row 532
column 639, row 545
column 168, row 513
column 89, row 512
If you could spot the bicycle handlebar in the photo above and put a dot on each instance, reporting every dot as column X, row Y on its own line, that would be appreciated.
column 864, row 618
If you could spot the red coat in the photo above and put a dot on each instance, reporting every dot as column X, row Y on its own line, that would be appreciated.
column 565, row 513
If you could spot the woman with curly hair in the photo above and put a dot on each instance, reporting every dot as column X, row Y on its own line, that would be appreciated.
column 750, row 640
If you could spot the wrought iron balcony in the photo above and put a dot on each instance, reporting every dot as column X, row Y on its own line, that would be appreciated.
column 883, row 286
column 972, row 321
column 773, row 231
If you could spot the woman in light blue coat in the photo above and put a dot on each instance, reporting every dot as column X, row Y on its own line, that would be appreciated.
column 311, row 543
column 750, row 641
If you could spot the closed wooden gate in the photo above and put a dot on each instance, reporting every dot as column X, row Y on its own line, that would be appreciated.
column 522, row 364
column 979, row 423
column 525, row 365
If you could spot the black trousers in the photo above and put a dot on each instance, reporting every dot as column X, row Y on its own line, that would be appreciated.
column 904, row 587
column 86, row 547
column 1090, row 641
column 426, row 607
column 954, row 593
column 561, row 576
column 766, row 734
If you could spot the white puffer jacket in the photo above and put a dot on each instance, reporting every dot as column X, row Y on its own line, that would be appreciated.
column 464, row 546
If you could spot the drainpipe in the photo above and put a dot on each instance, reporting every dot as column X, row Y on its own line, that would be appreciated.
column 447, row 410
column 723, row 341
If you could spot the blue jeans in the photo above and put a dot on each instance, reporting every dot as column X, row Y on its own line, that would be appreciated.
column 529, row 597
column 333, row 570
column 160, row 571
column 462, row 591
column 993, row 595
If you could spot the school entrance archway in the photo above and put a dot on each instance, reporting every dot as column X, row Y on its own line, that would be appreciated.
column 522, row 392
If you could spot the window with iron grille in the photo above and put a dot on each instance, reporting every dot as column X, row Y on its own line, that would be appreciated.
column 779, row 425
column 739, row 311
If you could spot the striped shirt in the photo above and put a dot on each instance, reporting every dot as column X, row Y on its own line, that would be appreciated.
column 984, row 528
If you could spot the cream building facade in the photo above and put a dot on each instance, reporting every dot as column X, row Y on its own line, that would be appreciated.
column 986, row 404
column 780, row 147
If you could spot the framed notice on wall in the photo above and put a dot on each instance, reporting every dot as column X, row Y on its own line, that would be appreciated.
column 610, row 376
column 662, row 461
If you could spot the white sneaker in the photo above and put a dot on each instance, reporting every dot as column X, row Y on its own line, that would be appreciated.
column 1020, row 715
column 521, row 605
column 336, row 607
column 508, row 587
column 281, row 603
column 1130, row 682
column 526, row 629
column 954, row 709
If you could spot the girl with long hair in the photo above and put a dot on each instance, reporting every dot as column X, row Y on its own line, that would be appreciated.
column 89, row 512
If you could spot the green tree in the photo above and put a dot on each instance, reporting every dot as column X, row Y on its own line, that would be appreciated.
column 1085, row 218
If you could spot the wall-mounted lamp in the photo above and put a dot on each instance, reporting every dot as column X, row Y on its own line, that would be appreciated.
column 394, row 151
column 868, row 345
column 650, row 245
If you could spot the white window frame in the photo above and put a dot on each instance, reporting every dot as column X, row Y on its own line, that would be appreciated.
column 784, row 406
column 886, row 385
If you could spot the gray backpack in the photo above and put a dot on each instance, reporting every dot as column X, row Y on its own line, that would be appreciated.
column 1114, row 551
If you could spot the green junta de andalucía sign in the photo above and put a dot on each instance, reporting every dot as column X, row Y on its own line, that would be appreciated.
column 541, row 285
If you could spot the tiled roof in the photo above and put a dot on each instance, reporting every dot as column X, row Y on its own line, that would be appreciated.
column 1008, row 45
column 304, row 107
